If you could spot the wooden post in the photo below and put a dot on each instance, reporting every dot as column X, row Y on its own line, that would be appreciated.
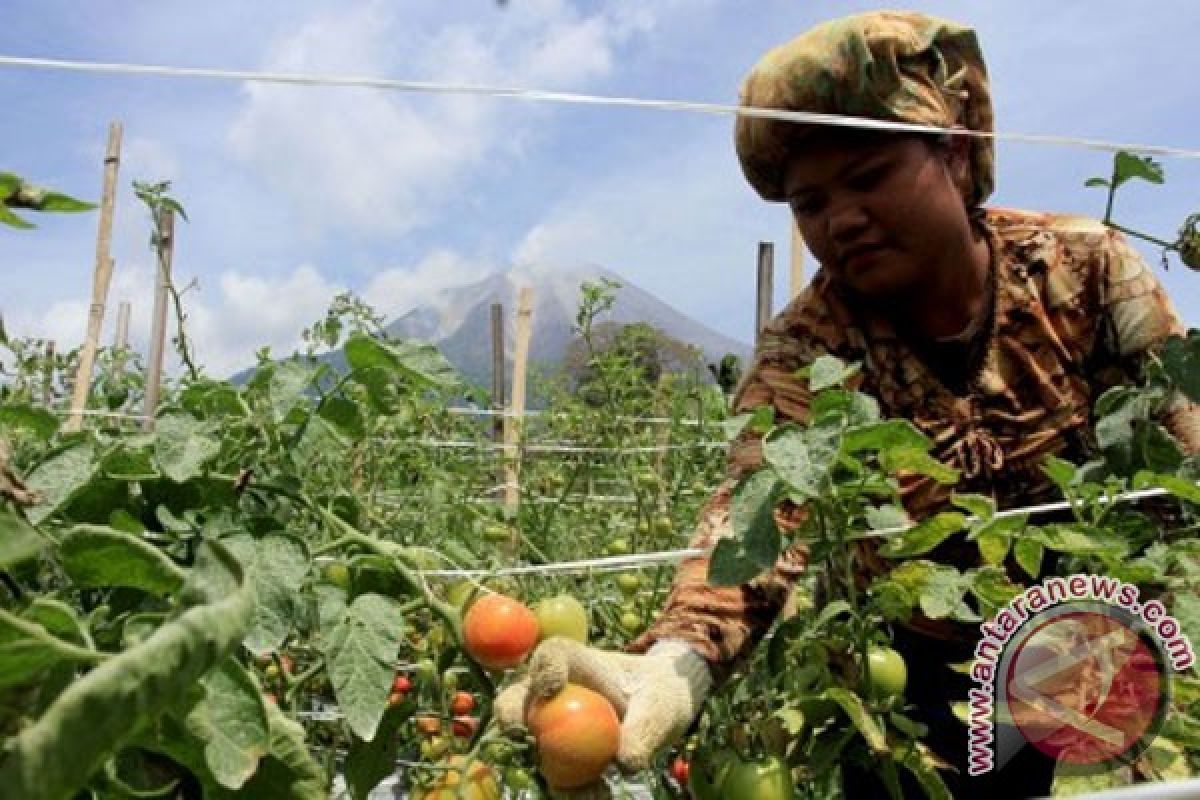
column 766, row 286
column 101, row 278
column 121, row 338
column 158, row 332
column 48, row 378
column 498, row 370
column 797, row 282
column 516, row 411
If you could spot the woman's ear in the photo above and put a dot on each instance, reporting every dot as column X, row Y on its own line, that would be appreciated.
column 956, row 155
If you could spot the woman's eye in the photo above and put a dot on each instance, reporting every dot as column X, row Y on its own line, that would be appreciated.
column 805, row 206
column 868, row 178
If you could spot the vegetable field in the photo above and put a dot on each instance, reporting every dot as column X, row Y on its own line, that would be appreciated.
column 273, row 585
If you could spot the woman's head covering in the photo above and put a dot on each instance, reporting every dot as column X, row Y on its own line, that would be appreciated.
column 891, row 65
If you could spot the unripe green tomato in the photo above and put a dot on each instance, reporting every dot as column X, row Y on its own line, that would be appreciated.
column 628, row 583
column 450, row 681
column 561, row 615
column 618, row 547
column 459, row 593
column 888, row 672
column 645, row 479
column 271, row 672
column 663, row 524
column 495, row 532
column 519, row 779
column 338, row 574
column 630, row 622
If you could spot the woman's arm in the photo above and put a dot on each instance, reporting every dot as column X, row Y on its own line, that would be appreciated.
column 724, row 623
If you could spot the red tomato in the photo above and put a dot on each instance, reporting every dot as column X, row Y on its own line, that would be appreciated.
column 401, row 683
column 679, row 770
column 430, row 726
column 577, row 732
column 499, row 631
column 462, row 703
column 465, row 727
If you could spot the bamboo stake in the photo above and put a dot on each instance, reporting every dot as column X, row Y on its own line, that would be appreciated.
column 498, row 369
column 797, row 277
column 766, row 287
column 158, row 333
column 121, row 339
column 101, row 278
column 515, row 417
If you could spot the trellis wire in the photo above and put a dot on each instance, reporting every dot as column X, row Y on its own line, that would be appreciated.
column 525, row 93
column 640, row 560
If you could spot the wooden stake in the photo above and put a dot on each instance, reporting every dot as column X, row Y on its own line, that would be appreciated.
column 766, row 286
column 497, row 370
column 158, row 332
column 797, row 282
column 121, row 339
column 101, row 278
column 516, row 411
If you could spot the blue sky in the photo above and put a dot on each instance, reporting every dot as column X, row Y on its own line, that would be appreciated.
column 295, row 193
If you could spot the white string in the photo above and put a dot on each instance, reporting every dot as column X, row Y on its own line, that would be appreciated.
column 639, row 560
column 521, row 93
column 64, row 412
column 551, row 448
column 492, row 412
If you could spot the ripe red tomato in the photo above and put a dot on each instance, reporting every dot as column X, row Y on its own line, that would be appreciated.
column 499, row 631
column 401, row 683
column 464, row 727
column 889, row 673
column 462, row 703
column 680, row 769
column 577, row 732
column 562, row 615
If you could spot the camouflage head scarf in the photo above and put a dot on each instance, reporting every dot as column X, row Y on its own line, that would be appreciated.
column 891, row 65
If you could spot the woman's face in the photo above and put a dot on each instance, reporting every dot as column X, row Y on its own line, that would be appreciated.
column 880, row 211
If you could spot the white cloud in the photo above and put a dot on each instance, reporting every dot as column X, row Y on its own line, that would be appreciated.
column 375, row 162
column 397, row 290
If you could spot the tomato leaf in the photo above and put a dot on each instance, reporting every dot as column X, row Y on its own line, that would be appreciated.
column 1028, row 555
column 182, row 447
column 367, row 763
column 891, row 434
column 853, row 705
column 360, row 655
column 27, row 648
column 59, row 477
column 924, row 536
column 803, row 457
column 1181, row 362
column 911, row 459
column 19, row 541
column 828, row 371
column 97, row 557
column 277, row 565
column 231, row 720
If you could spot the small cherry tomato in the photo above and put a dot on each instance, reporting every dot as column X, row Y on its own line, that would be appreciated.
column 463, row 703
column 401, row 683
column 429, row 726
column 680, row 769
column 464, row 727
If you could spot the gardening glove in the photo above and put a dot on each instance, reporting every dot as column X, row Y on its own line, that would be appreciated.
column 656, row 695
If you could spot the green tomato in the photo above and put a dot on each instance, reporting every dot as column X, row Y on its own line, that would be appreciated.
column 338, row 574
column 495, row 532
column 645, row 479
column 662, row 524
column 766, row 779
column 628, row 583
column 888, row 672
column 618, row 547
column 562, row 615
column 519, row 779
column 630, row 622
column 707, row 775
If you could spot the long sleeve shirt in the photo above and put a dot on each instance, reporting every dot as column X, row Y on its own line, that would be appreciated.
column 1073, row 308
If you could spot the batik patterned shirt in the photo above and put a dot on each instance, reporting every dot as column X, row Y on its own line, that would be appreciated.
column 1073, row 309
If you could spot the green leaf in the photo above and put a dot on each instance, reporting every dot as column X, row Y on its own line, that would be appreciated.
column 1158, row 449
column 59, row 477
column 752, row 514
column 730, row 565
column 98, row 714
column 853, row 705
column 343, row 414
column 1181, row 362
column 27, row 648
column 38, row 421
column 734, row 426
column 828, row 371
column 993, row 547
column 942, row 594
column 98, row 557
column 1182, row 488
column 803, row 457
column 1028, row 555
column 891, row 434
column 60, row 620
column 182, row 447
column 887, row 517
column 1060, row 471
column 1094, row 182
column 417, row 361
column 277, row 565
column 858, row 408
column 19, row 541
column 367, row 763
column 924, row 536
column 1077, row 539
column 993, row 589
column 360, row 656
column 7, row 217
column 287, row 385
column 320, row 439
column 231, row 720
column 979, row 506
column 918, row 761
column 911, row 459
column 1127, row 166
column 57, row 201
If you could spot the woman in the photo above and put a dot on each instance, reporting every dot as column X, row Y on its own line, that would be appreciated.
column 993, row 331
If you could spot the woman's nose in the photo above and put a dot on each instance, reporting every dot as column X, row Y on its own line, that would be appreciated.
column 846, row 222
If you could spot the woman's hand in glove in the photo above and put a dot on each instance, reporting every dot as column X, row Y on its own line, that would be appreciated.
column 656, row 695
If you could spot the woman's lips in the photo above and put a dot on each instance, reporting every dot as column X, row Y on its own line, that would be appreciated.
column 859, row 258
